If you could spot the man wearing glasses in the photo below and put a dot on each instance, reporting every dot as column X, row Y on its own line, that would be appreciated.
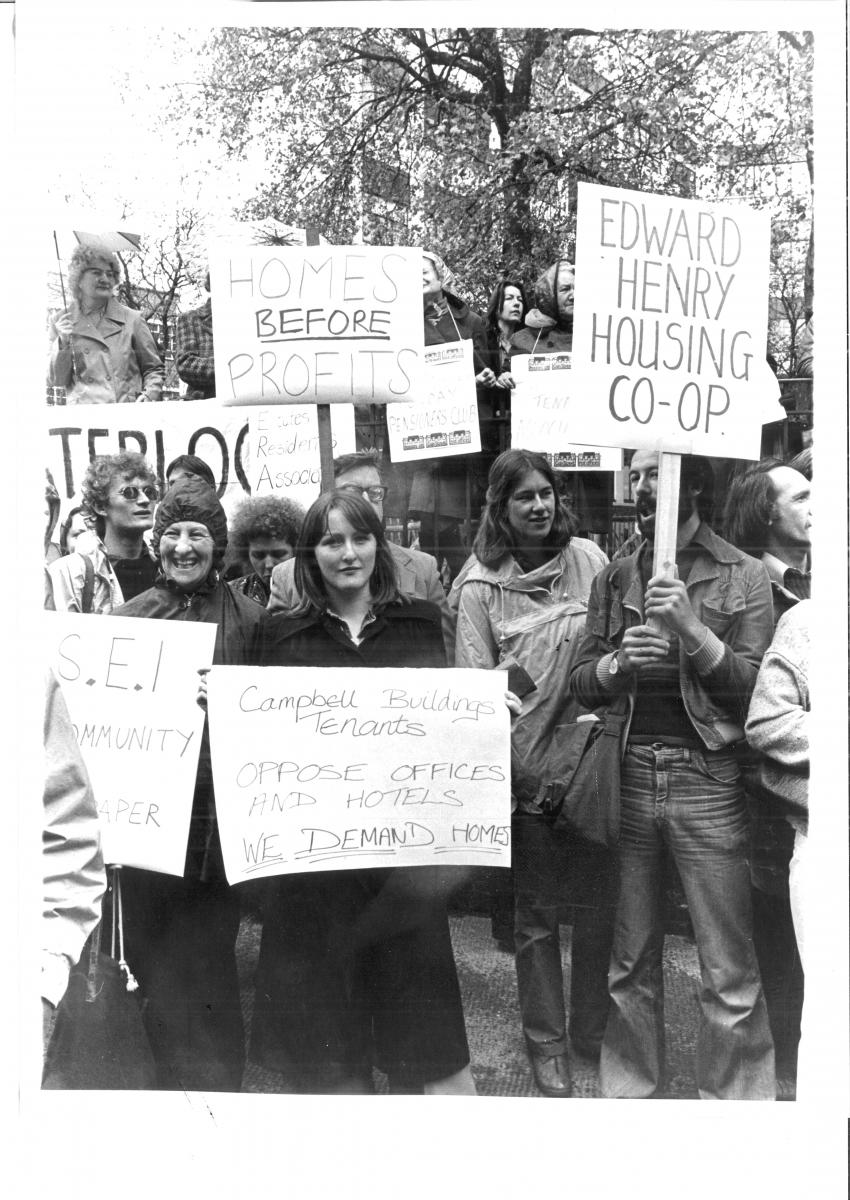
column 119, row 493
column 417, row 572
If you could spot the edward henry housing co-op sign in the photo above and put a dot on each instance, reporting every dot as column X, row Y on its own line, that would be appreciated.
column 670, row 333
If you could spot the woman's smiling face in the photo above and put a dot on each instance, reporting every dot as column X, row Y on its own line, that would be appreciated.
column 531, row 509
column 186, row 551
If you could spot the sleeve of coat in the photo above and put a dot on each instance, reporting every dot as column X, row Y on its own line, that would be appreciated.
column 67, row 575
column 74, row 877
column 778, row 720
column 147, row 356
column 283, row 596
column 60, row 368
column 730, row 681
column 436, row 593
column 193, row 367
column 475, row 643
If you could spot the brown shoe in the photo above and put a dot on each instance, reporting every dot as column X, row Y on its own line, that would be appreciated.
column 552, row 1075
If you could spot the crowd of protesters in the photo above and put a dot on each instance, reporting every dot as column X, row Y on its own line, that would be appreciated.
column 356, row 967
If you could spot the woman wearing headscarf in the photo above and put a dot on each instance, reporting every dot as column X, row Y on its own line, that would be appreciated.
column 549, row 324
column 180, row 933
column 438, row 493
column 103, row 352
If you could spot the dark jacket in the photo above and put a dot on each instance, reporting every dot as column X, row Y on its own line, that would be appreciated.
column 545, row 332
column 729, row 592
column 238, row 636
column 459, row 323
column 402, row 635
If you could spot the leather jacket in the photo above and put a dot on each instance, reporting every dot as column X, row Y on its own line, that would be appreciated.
column 730, row 593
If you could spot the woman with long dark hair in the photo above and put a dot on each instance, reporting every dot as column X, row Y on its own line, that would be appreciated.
column 505, row 311
column 522, row 604
column 356, row 966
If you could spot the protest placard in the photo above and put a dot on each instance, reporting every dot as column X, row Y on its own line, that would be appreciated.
column 545, row 417
column 218, row 435
column 330, row 769
column 283, row 448
column 316, row 324
column 444, row 421
column 670, row 328
column 131, row 686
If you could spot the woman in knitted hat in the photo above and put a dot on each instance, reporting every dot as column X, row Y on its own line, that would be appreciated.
column 180, row 933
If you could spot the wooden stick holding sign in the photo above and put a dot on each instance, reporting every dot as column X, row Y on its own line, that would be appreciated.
column 666, row 522
column 323, row 411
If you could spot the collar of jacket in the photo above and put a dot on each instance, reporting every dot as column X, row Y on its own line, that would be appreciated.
column 114, row 315
column 718, row 552
column 285, row 626
column 509, row 575
column 535, row 319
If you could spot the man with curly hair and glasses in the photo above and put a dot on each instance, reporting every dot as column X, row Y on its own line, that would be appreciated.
column 102, row 351
column 119, row 492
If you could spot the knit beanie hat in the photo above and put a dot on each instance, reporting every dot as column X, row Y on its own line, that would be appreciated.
column 191, row 462
column 191, row 500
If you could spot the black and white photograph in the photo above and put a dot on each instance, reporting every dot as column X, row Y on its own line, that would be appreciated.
column 426, row 414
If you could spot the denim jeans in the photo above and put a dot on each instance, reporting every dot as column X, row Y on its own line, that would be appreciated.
column 690, row 802
column 550, row 871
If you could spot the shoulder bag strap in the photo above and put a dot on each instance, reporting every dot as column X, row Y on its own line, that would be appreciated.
column 88, row 585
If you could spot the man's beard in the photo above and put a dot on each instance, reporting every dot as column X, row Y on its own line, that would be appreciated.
column 645, row 514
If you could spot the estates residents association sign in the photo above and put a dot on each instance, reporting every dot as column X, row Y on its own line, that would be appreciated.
column 670, row 328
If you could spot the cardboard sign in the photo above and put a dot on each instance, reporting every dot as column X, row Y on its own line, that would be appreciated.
column 76, row 433
column 545, row 418
column 316, row 324
column 331, row 769
column 131, row 686
column 445, row 420
column 670, row 327
column 283, row 449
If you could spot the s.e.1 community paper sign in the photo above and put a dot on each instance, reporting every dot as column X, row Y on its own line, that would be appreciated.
column 545, row 417
column 320, row 769
column 670, row 326
column 445, row 420
column 316, row 324
column 131, row 686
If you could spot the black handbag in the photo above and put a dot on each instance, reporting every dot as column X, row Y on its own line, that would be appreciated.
column 99, row 1039
column 580, row 783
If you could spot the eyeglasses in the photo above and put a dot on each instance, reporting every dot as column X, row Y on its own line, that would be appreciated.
column 131, row 492
column 375, row 494
column 100, row 274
